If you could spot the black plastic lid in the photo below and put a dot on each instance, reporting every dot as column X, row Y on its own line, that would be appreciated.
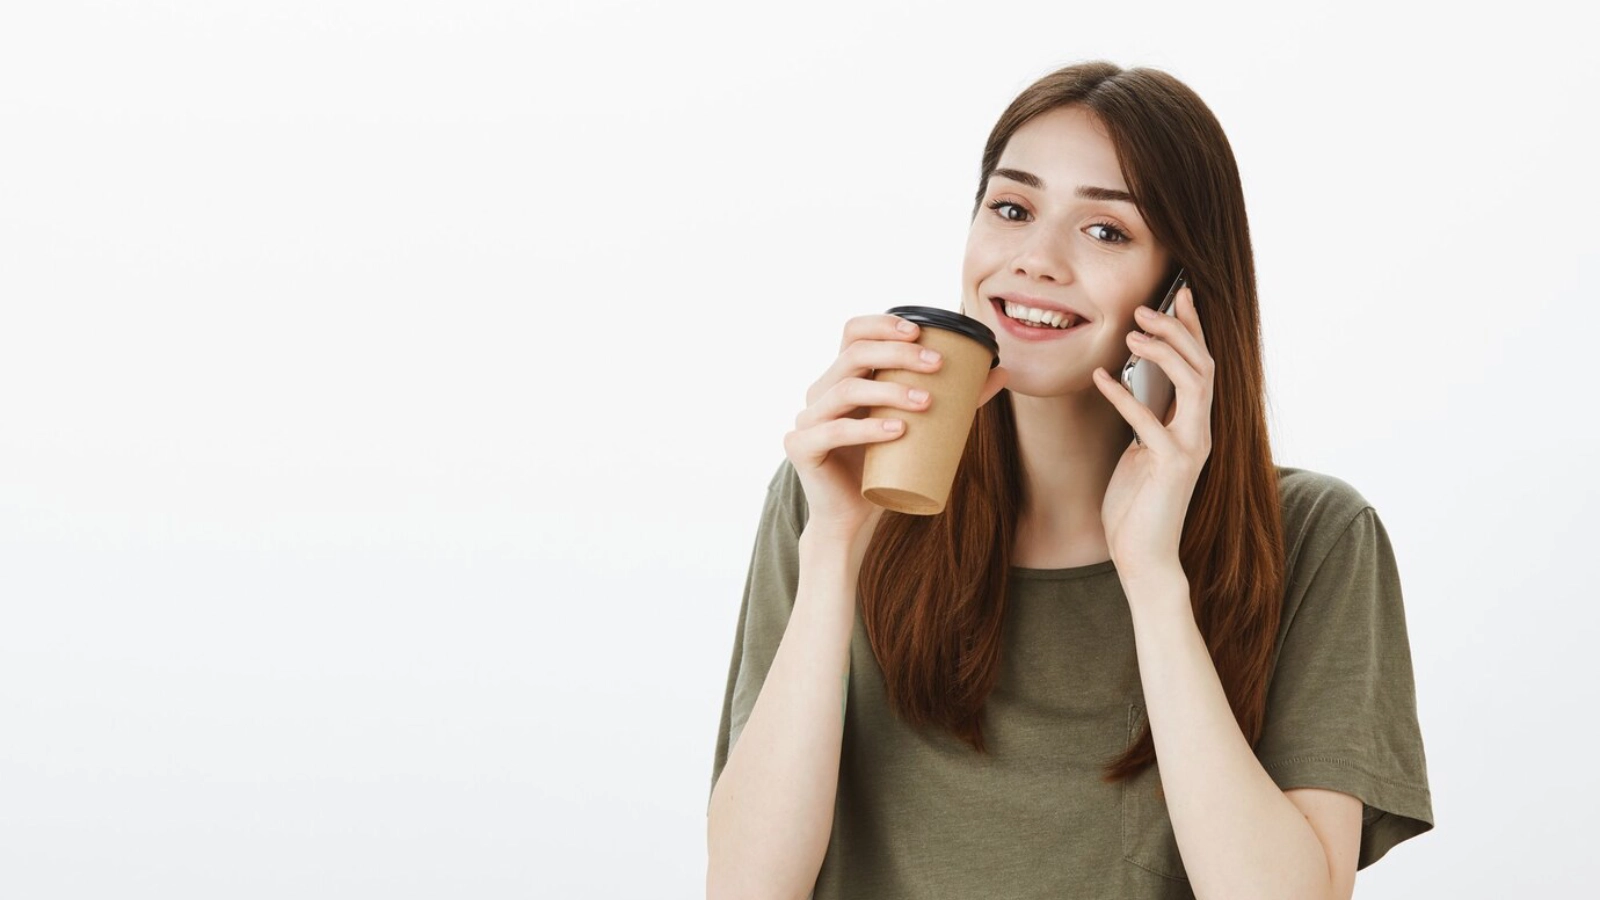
column 960, row 323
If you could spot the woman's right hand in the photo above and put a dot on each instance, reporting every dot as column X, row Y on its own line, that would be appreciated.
column 827, row 445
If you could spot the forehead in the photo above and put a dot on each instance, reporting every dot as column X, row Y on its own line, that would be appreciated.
column 1066, row 147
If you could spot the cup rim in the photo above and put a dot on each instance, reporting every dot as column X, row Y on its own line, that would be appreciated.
column 950, row 320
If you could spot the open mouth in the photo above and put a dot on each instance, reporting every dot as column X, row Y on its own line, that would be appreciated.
column 1044, row 322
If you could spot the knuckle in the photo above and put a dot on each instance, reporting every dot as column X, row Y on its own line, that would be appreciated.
column 850, row 334
column 844, row 392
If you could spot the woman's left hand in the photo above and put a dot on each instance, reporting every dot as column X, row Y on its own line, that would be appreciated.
column 1148, row 496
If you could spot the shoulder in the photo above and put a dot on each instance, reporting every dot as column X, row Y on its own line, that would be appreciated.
column 786, row 497
column 1318, row 509
column 1337, row 551
column 1309, row 494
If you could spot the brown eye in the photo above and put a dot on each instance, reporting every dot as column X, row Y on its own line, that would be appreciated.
column 998, row 204
column 1119, row 236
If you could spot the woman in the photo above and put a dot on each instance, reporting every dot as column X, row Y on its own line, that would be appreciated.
column 1120, row 667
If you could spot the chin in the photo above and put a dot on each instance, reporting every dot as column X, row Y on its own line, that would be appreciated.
column 1047, row 384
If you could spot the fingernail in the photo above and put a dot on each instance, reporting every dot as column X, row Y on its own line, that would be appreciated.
column 930, row 356
column 917, row 395
column 1145, row 312
column 906, row 327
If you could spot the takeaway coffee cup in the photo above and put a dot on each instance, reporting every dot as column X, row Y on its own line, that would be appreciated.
column 913, row 473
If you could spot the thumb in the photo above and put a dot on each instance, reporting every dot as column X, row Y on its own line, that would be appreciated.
column 998, row 376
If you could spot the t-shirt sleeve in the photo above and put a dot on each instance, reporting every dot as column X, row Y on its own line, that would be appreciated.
column 1342, row 705
column 769, row 592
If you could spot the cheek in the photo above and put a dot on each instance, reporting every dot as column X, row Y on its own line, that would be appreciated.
column 978, row 259
column 971, row 270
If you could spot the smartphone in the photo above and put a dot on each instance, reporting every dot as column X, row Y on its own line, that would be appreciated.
column 1145, row 380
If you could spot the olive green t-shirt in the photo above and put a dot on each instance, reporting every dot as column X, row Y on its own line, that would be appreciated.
column 921, row 815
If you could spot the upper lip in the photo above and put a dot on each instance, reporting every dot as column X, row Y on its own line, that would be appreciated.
column 1040, row 303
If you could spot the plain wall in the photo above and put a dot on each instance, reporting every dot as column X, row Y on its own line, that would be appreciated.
column 388, row 393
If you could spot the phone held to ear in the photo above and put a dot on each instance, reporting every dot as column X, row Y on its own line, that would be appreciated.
column 1145, row 380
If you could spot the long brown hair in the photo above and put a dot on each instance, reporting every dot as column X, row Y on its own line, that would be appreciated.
column 933, row 588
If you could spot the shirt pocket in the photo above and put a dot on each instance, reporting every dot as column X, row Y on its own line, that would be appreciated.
column 1147, row 837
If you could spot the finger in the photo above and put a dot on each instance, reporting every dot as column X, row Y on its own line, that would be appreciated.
column 857, row 395
column 1189, row 315
column 862, row 358
column 879, row 327
column 1166, row 356
column 1177, row 333
column 1133, row 412
column 1192, row 403
column 811, row 446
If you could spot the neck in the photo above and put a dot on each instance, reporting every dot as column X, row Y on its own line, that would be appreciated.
column 1068, row 446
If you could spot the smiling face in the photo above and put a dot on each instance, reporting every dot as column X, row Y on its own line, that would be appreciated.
column 1052, row 229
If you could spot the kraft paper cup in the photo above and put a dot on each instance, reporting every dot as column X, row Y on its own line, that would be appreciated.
column 914, row 472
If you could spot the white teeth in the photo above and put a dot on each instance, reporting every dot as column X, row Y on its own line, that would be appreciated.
column 1040, row 316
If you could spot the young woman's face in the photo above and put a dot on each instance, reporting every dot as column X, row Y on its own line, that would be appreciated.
column 1052, row 229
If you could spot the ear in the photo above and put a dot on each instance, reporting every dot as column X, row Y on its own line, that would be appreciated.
column 997, row 380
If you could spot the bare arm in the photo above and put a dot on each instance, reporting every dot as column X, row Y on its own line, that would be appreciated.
column 1239, row 834
column 771, row 812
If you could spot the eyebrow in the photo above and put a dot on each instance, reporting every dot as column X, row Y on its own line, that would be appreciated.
column 1085, row 191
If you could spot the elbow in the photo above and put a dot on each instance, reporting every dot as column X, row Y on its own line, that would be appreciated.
column 742, row 863
column 723, row 883
column 726, row 880
column 734, row 879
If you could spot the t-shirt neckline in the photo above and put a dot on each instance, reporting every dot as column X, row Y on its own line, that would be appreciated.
column 1067, row 574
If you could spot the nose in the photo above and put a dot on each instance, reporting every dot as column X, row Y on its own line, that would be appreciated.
column 1043, row 256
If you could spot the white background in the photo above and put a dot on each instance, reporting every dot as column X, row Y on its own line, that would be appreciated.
column 388, row 393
